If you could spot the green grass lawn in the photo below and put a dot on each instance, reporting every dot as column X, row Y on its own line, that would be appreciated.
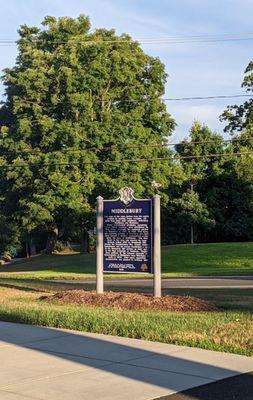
column 181, row 260
column 226, row 330
column 230, row 329
column 230, row 299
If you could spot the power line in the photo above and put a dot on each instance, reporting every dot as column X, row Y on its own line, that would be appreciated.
column 130, row 147
column 144, row 39
column 146, row 100
column 218, row 155
column 216, row 141
column 208, row 97
column 137, row 160
column 151, row 40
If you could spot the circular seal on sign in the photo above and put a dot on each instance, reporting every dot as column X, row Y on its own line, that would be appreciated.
column 144, row 267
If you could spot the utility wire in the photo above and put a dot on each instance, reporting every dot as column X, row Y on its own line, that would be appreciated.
column 133, row 160
column 146, row 100
column 145, row 41
column 208, row 97
column 129, row 147
column 143, row 99
column 185, row 142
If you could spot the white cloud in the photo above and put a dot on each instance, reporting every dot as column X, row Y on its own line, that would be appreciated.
column 203, row 113
column 185, row 115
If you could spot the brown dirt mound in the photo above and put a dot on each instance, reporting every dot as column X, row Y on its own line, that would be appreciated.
column 132, row 301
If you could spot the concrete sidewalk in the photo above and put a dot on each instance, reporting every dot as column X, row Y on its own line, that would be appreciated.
column 52, row 364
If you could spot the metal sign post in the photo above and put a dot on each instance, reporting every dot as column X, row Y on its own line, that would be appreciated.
column 99, row 276
column 157, row 247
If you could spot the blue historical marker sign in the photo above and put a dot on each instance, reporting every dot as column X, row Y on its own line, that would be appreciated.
column 127, row 234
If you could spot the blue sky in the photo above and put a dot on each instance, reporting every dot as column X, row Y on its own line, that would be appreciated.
column 201, row 69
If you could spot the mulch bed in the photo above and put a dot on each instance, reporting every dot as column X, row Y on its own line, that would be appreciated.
column 131, row 301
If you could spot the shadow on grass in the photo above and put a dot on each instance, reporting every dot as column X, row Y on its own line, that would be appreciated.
column 206, row 259
column 68, row 263
column 21, row 288
column 229, row 299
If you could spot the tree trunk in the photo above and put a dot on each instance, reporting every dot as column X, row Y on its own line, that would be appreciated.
column 27, row 248
column 84, row 241
column 33, row 250
column 52, row 238
column 192, row 229
column 192, row 233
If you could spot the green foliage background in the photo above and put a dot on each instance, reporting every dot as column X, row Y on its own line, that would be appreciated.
column 80, row 102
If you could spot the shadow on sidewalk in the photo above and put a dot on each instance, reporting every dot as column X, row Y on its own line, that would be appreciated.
column 167, row 369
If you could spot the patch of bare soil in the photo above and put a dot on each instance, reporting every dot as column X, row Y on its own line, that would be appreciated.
column 132, row 301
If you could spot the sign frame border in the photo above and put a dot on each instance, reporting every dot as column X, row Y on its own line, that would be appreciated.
column 151, row 232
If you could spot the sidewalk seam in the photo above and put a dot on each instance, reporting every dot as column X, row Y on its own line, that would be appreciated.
column 42, row 378
column 126, row 362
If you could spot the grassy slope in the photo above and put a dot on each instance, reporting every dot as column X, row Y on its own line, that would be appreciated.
column 229, row 299
column 229, row 331
column 185, row 260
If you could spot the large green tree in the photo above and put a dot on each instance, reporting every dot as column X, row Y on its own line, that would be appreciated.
column 200, row 156
column 220, row 174
column 229, row 199
column 189, row 211
column 77, row 104
column 9, row 236
column 240, row 117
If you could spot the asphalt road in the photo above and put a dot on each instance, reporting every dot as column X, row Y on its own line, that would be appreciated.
column 238, row 387
column 222, row 282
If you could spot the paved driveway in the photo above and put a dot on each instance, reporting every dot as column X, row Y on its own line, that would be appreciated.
column 52, row 364
column 205, row 282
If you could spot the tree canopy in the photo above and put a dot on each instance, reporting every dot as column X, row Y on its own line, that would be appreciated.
column 217, row 195
column 77, row 104
column 83, row 115
column 240, row 117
